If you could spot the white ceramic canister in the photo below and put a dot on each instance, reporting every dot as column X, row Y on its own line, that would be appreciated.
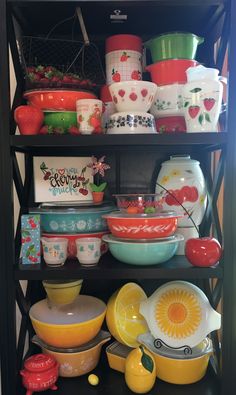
column 108, row 106
column 183, row 178
column 123, row 58
column 202, row 98
column 168, row 101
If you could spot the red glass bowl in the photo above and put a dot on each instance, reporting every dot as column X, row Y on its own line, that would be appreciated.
column 170, row 125
column 142, row 226
column 170, row 71
column 63, row 100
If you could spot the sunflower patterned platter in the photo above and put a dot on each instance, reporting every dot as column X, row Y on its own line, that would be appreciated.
column 180, row 315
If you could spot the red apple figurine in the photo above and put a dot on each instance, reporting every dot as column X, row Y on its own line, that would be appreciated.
column 29, row 119
column 203, row 251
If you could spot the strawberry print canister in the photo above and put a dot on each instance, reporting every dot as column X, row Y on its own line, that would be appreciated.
column 123, row 58
column 108, row 107
column 182, row 177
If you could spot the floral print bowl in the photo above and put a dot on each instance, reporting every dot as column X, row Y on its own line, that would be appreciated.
column 77, row 361
column 132, row 123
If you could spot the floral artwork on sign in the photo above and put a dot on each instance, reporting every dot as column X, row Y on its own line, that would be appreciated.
column 59, row 179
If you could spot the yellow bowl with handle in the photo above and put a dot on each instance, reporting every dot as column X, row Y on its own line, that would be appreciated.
column 123, row 318
column 182, row 366
column 68, row 325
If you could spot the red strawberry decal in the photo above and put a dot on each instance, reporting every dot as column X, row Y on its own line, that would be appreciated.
column 133, row 96
column 80, row 118
column 115, row 76
column 193, row 111
column 74, row 130
column 144, row 92
column 136, row 75
column 124, row 57
column 209, row 103
column 121, row 93
column 115, row 99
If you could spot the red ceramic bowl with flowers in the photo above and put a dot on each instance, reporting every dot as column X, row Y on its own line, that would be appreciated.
column 142, row 226
column 71, row 249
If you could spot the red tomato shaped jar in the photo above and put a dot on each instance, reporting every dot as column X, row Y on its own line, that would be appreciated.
column 183, row 178
column 203, row 251
column 40, row 373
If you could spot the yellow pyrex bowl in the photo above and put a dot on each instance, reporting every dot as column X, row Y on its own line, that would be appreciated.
column 77, row 361
column 68, row 325
column 62, row 292
column 123, row 318
column 176, row 367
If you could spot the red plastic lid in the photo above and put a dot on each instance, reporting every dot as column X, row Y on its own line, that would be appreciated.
column 105, row 95
column 123, row 42
column 39, row 363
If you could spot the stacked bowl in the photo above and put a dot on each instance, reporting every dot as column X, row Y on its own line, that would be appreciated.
column 172, row 54
column 59, row 108
column 69, row 223
column 142, row 234
column 68, row 327
column 132, row 98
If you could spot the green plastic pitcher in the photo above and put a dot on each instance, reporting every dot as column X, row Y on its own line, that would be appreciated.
column 175, row 45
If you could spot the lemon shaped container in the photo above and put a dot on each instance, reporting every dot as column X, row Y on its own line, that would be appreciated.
column 123, row 319
column 140, row 370
column 179, row 314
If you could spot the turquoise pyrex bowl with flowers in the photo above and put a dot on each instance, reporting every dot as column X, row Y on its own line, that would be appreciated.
column 69, row 219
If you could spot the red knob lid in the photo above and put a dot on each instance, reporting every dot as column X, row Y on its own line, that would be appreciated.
column 123, row 42
column 105, row 95
column 39, row 363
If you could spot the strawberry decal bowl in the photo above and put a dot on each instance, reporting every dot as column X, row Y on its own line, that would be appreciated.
column 143, row 251
column 142, row 226
column 133, row 95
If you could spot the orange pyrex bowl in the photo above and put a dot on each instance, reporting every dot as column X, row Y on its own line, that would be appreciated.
column 142, row 226
column 63, row 100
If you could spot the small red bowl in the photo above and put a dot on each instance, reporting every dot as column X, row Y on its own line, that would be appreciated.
column 142, row 226
column 63, row 100
column 71, row 249
column 170, row 124
column 170, row 71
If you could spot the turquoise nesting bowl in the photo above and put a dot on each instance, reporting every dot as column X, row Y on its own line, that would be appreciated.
column 143, row 252
column 67, row 221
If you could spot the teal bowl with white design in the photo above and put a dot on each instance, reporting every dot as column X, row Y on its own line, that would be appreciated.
column 67, row 220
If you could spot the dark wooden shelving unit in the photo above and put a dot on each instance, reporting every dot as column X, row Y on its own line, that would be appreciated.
column 212, row 19
column 109, row 268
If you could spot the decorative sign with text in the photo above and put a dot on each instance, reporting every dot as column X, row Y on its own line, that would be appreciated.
column 58, row 179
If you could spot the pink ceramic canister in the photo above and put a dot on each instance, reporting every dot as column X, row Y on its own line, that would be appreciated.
column 123, row 58
column 183, row 178
column 108, row 106
column 202, row 99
